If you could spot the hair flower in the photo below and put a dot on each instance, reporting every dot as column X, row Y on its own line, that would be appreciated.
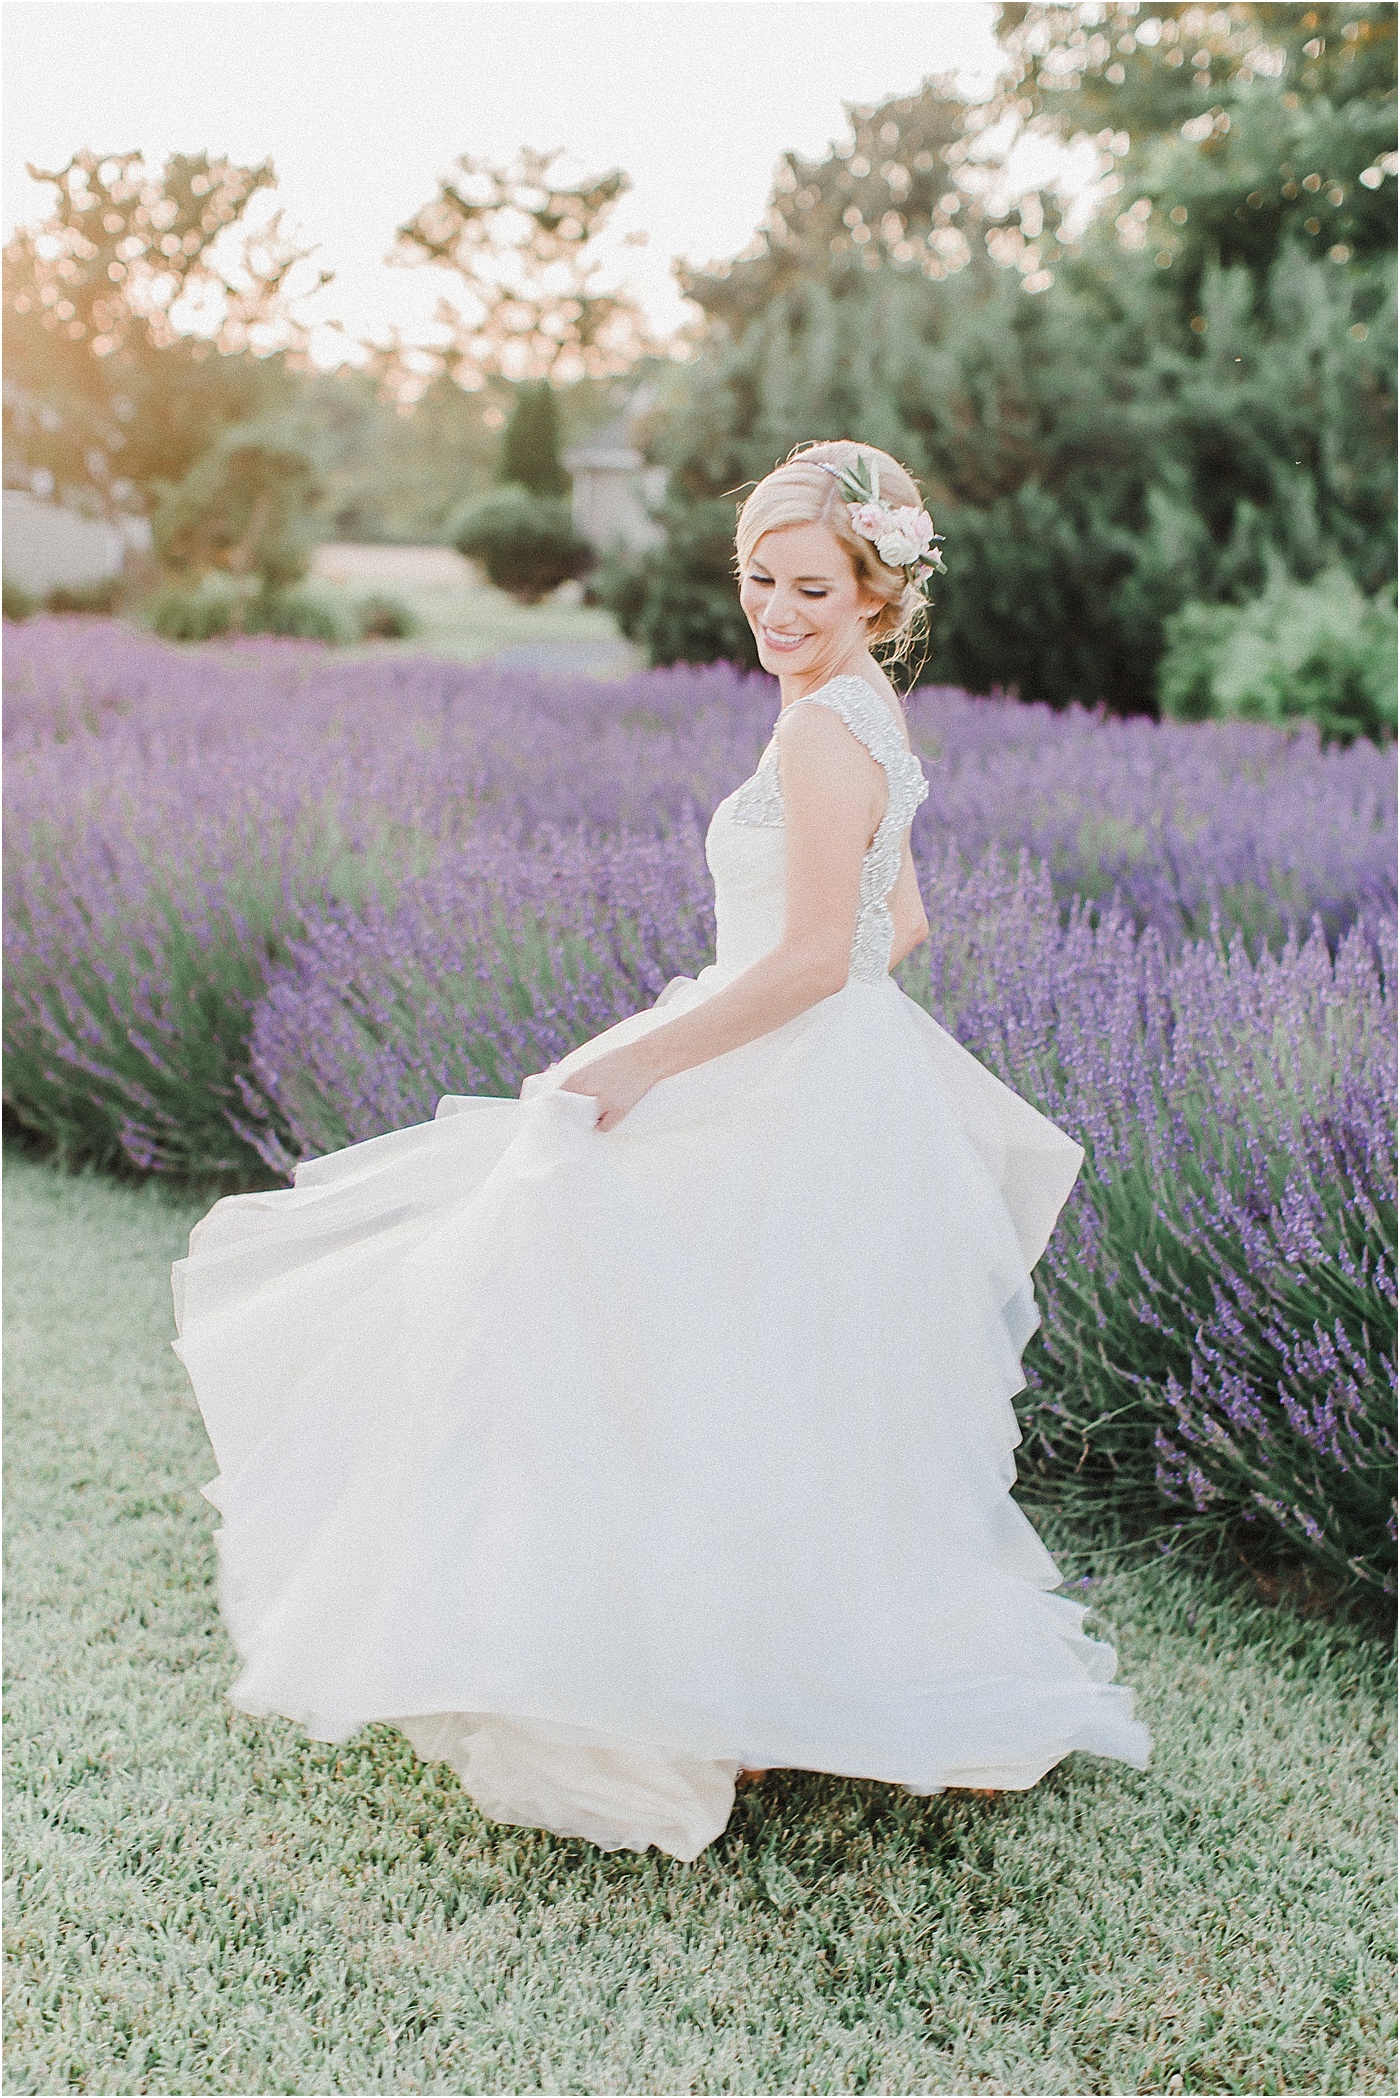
column 903, row 538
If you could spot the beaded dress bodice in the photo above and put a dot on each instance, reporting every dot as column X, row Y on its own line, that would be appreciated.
column 744, row 844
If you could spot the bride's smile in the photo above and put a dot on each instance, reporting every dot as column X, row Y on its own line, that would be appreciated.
column 810, row 612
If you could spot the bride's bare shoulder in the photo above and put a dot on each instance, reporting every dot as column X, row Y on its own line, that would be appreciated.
column 872, row 715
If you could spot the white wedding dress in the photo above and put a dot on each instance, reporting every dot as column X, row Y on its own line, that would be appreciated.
column 604, row 1465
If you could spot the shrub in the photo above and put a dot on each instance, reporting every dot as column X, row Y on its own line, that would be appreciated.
column 300, row 615
column 19, row 603
column 679, row 600
column 201, row 614
column 526, row 543
column 1318, row 651
column 99, row 599
column 245, row 507
column 383, row 618
column 492, row 966
column 217, row 607
column 1220, row 1294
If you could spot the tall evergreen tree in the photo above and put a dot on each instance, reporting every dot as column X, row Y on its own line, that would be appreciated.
column 530, row 442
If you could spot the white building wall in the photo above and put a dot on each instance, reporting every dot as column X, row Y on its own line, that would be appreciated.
column 613, row 488
column 46, row 546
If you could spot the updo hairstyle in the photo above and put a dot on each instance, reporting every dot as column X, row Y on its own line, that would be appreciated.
column 801, row 491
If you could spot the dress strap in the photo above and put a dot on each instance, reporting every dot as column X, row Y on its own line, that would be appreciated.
column 865, row 715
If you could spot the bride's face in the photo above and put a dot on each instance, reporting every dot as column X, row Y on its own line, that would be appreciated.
column 804, row 601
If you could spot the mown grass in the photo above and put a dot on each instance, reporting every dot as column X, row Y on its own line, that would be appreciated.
column 202, row 1902
column 460, row 614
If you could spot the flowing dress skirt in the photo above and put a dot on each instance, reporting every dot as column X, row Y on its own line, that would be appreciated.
column 604, row 1464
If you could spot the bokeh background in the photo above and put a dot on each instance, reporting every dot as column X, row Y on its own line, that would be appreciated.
column 1117, row 284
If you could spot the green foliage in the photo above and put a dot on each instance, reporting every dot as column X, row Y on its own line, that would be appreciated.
column 303, row 615
column 246, row 507
column 526, row 543
column 1318, row 651
column 1246, row 128
column 530, row 445
column 101, row 391
column 218, row 605
column 100, row 599
column 208, row 984
column 1188, row 399
column 19, row 603
column 1114, row 1361
column 679, row 599
column 384, row 618
column 200, row 614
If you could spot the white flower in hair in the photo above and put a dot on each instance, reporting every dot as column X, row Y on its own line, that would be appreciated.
column 903, row 538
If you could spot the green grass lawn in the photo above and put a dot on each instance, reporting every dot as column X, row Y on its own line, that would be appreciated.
column 461, row 615
column 203, row 1902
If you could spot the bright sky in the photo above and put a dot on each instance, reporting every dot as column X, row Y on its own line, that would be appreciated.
column 363, row 104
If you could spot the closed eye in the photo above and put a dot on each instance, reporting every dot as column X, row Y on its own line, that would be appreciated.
column 765, row 582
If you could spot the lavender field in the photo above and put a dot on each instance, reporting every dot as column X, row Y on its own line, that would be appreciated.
column 261, row 904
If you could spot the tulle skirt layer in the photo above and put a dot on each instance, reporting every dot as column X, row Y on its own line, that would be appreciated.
column 602, row 1465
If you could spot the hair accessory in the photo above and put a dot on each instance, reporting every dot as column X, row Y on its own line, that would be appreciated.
column 902, row 538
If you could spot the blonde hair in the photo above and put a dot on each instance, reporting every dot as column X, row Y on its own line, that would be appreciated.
column 801, row 491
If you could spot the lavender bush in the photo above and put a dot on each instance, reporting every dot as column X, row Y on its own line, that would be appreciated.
column 1220, row 1295
column 494, row 965
column 175, row 818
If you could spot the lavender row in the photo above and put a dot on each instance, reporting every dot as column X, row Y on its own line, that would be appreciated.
column 117, row 741
column 1221, row 1291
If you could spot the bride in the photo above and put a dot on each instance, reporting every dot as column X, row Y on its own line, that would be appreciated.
column 657, row 1426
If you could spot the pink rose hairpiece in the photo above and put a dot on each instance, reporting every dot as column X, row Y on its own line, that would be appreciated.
column 902, row 538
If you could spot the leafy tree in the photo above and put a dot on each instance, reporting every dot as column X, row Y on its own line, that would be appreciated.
column 900, row 191
column 1230, row 135
column 104, row 392
column 530, row 446
column 521, row 240
column 1104, row 435
column 244, row 509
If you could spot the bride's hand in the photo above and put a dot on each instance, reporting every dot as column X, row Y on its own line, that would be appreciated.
column 616, row 1081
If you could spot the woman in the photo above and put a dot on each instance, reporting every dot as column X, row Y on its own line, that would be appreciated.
column 657, row 1426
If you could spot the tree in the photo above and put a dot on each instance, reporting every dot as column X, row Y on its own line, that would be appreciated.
column 106, row 390
column 530, row 445
column 896, row 193
column 1229, row 134
column 244, row 508
column 1104, row 436
column 521, row 240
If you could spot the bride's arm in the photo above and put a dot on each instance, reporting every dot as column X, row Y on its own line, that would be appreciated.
column 833, row 798
column 910, row 919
